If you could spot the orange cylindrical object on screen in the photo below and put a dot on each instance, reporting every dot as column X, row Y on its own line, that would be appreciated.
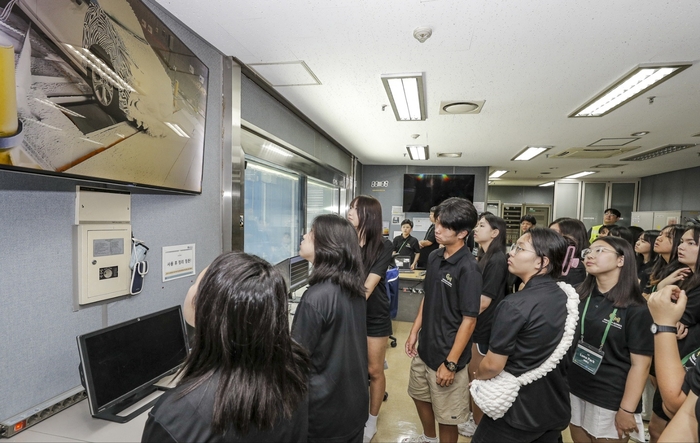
column 8, row 92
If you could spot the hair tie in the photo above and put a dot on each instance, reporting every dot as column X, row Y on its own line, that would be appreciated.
column 570, row 260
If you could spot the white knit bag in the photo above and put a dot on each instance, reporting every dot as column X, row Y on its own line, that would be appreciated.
column 495, row 396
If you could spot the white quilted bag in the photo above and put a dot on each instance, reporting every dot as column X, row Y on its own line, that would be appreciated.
column 495, row 396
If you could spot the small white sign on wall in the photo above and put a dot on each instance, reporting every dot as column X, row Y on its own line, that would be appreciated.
column 421, row 224
column 178, row 261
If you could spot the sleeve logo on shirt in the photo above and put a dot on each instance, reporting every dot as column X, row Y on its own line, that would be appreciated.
column 447, row 279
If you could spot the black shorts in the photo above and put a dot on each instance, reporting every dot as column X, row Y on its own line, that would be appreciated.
column 490, row 431
column 378, row 319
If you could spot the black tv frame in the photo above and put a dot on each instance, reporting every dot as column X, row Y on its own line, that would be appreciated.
column 111, row 408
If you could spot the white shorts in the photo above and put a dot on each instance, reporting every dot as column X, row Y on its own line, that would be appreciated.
column 600, row 422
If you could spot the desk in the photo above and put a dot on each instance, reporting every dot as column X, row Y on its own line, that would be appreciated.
column 410, row 295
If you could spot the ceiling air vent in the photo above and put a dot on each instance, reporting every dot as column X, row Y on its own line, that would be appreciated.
column 607, row 166
column 658, row 152
column 588, row 153
column 461, row 107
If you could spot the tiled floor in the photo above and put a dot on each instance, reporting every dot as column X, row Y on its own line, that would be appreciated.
column 398, row 418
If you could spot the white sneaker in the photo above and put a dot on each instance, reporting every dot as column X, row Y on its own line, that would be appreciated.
column 419, row 439
column 467, row 428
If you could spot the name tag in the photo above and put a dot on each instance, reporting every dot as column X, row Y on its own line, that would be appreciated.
column 588, row 357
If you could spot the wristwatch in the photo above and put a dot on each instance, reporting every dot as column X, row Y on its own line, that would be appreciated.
column 451, row 366
column 660, row 328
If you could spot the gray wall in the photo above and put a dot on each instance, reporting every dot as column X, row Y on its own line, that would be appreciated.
column 393, row 194
column 522, row 194
column 671, row 191
column 37, row 323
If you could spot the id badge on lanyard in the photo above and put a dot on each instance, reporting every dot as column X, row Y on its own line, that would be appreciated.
column 588, row 357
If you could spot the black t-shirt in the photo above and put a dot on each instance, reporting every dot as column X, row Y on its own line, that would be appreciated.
column 691, row 315
column 527, row 327
column 378, row 302
column 494, row 286
column 426, row 251
column 332, row 326
column 188, row 419
column 452, row 291
column 406, row 246
column 629, row 334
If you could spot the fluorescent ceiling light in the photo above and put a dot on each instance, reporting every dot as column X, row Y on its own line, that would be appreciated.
column 277, row 150
column 658, row 152
column 580, row 174
column 417, row 152
column 497, row 174
column 544, row 185
column 531, row 152
column 406, row 95
column 638, row 81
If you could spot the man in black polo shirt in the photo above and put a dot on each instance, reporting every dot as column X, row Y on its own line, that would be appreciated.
column 446, row 319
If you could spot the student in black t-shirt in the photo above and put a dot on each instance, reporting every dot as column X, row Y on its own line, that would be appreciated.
column 330, row 323
column 678, row 382
column 611, row 360
column 490, row 234
column 688, row 279
column 406, row 244
column 428, row 244
column 646, row 257
column 666, row 247
column 365, row 214
column 445, row 320
column 244, row 381
column 527, row 328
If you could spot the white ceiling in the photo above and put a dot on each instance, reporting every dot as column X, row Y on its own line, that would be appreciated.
column 533, row 62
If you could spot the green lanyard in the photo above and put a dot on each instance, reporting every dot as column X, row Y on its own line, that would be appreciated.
column 607, row 328
column 685, row 359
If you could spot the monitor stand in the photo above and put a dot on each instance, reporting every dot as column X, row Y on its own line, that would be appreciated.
column 112, row 413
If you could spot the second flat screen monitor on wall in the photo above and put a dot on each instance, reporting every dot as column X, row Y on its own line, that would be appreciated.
column 423, row 191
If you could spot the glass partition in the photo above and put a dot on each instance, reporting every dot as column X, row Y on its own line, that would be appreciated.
column 272, row 212
column 321, row 198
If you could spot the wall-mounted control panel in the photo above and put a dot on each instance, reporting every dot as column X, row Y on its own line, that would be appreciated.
column 104, row 253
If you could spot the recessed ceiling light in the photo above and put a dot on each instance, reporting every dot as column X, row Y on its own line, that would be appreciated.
column 460, row 107
column 543, row 185
column 530, row 152
column 417, row 152
column 580, row 174
column 449, row 154
column 635, row 83
column 406, row 95
column 639, row 134
column 658, row 152
column 497, row 174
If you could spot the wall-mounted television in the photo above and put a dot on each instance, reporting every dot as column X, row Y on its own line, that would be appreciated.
column 105, row 92
column 120, row 364
column 423, row 191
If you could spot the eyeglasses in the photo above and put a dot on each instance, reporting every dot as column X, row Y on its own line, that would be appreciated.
column 599, row 250
column 514, row 249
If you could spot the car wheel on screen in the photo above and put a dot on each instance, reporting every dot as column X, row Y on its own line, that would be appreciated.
column 106, row 94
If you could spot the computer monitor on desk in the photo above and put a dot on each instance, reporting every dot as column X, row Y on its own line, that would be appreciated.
column 403, row 262
column 120, row 365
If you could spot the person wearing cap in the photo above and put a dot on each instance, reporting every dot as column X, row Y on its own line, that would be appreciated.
column 610, row 217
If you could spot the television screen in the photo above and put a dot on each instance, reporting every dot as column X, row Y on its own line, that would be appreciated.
column 104, row 91
column 122, row 360
column 423, row 191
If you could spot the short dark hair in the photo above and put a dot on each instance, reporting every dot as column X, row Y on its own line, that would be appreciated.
column 433, row 209
column 626, row 291
column 256, row 360
column 614, row 212
column 528, row 218
column 407, row 222
column 337, row 255
column 457, row 214
column 548, row 243
column 624, row 233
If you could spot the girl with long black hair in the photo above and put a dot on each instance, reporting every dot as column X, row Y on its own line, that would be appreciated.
column 646, row 257
column 365, row 214
column 245, row 379
column 330, row 322
column 612, row 357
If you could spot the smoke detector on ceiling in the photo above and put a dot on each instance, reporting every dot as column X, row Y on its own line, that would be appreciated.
column 422, row 33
